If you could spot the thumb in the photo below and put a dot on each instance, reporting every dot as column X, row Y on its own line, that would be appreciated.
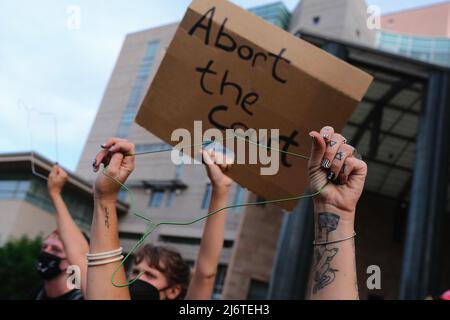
column 317, row 150
column 207, row 160
column 115, row 163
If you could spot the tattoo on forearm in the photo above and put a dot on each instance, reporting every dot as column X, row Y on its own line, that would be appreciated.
column 106, row 218
column 327, row 223
column 324, row 274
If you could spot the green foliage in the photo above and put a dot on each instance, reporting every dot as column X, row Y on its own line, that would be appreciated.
column 17, row 268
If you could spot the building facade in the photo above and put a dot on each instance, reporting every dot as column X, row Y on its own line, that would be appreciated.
column 435, row 50
column 427, row 21
column 422, row 34
column 340, row 19
column 26, row 206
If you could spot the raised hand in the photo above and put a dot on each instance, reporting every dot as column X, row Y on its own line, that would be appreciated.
column 333, row 161
column 117, row 157
column 57, row 178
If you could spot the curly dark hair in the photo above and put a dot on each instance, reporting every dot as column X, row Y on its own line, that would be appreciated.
column 169, row 262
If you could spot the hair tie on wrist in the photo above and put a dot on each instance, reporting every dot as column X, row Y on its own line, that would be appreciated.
column 333, row 242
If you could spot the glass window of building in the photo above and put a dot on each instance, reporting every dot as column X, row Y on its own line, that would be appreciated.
column 427, row 49
column 170, row 198
column 13, row 189
column 219, row 282
column 34, row 191
column 275, row 13
column 138, row 90
column 156, row 198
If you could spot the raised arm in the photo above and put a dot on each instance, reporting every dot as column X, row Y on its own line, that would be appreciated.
column 333, row 273
column 73, row 240
column 202, row 283
column 104, row 231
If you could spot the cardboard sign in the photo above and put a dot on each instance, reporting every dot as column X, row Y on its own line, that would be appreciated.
column 231, row 69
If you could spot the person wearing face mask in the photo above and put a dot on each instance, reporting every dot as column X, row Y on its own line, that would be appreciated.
column 75, row 242
column 166, row 275
column 162, row 272
column 66, row 246
column 51, row 265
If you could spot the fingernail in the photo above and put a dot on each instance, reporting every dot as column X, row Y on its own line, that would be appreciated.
column 313, row 138
column 331, row 176
column 103, row 146
column 94, row 163
column 326, row 136
column 326, row 164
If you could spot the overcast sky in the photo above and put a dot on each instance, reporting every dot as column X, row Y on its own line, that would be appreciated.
column 48, row 67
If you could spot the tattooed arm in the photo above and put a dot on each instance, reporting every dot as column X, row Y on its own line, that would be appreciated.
column 333, row 273
column 104, row 230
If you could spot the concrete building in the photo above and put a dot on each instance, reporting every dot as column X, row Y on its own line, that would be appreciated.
column 427, row 21
column 267, row 253
column 422, row 33
column 340, row 19
column 26, row 206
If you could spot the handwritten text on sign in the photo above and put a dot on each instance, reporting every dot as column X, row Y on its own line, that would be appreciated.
column 245, row 100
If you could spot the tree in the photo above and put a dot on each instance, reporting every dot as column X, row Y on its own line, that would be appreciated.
column 18, row 275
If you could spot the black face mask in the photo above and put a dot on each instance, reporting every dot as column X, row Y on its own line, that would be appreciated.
column 141, row 290
column 48, row 265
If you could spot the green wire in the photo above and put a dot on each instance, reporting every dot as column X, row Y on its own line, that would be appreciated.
column 152, row 226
